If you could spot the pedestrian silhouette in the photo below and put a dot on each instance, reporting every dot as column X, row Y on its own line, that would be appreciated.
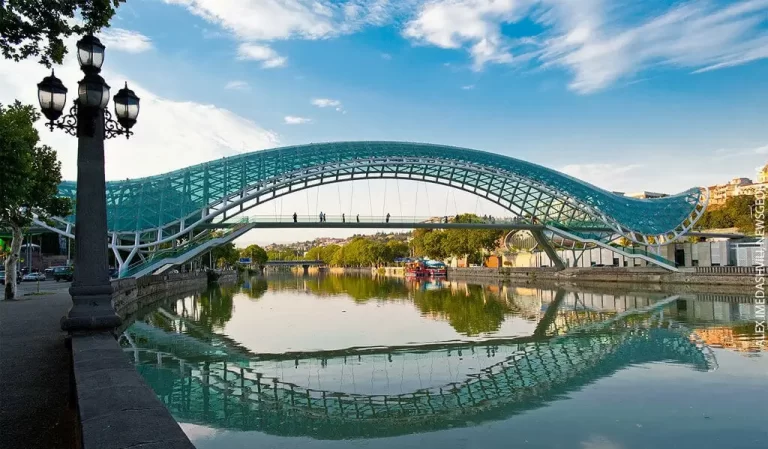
column 294, row 217
column 358, row 218
column 321, row 217
column 387, row 217
column 343, row 218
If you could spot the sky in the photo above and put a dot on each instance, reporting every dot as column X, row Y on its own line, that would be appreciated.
column 630, row 96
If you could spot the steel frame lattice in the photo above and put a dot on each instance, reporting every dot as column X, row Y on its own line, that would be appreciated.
column 243, row 395
column 145, row 212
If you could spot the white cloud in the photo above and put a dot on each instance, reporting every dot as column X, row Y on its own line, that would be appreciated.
column 237, row 85
column 168, row 135
column 468, row 87
column 265, row 20
column 386, row 56
column 615, row 177
column 128, row 41
column 588, row 40
column 254, row 52
column 328, row 103
column 598, row 41
column 475, row 24
column 294, row 120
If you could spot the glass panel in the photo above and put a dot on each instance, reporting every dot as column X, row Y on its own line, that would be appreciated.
column 59, row 101
column 84, row 57
column 105, row 96
column 90, row 95
column 45, row 99
column 133, row 111
column 98, row 56
column 121, row 110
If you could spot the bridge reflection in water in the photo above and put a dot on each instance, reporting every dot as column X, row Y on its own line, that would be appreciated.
column 205, row 378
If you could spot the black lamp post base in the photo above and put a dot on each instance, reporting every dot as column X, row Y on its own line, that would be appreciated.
column 91, row 310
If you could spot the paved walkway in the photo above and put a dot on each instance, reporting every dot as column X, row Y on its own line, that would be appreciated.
column 35, row 371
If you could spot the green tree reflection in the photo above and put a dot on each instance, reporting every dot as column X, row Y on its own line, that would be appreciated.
column 471, row 311
column 215, row 307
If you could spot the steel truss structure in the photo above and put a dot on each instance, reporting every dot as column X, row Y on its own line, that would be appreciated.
column 226, row 392
column 148, row 212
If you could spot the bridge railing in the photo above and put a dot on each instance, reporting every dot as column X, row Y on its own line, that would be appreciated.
column 178, row 250
column 355, row 218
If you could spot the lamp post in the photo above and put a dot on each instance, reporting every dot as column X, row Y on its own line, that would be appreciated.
column 91, row 123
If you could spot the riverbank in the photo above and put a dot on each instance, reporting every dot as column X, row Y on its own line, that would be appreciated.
column 723, row 281
column 115, row 407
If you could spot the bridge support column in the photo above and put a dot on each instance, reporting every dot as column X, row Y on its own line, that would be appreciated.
column 551, row 253
column 306, row 269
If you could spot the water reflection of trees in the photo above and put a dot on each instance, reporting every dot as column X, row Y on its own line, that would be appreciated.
column 471, row 311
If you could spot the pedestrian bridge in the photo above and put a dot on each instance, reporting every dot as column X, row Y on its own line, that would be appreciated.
column 145, row 214
column 384, row 392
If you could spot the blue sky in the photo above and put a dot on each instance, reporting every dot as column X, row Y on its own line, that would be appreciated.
column 653, row 95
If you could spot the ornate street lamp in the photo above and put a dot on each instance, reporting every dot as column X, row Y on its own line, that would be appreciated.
column 91, row 122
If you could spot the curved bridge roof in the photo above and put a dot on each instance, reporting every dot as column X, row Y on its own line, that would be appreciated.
column 522, row 187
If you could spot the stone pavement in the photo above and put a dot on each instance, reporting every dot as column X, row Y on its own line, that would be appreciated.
column 35, row 371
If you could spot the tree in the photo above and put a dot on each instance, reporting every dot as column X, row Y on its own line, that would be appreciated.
column 737, row 212
column 31, row 28
column 226, row 254
column 29, row 183
column 256, row 253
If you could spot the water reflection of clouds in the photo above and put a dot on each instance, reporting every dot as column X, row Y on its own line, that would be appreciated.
column 600, row 442
column 198, row 432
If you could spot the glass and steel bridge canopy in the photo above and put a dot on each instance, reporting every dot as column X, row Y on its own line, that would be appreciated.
column 157, row 208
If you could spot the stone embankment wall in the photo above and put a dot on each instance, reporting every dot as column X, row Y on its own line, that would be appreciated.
column 130, row 295
column 609, row 274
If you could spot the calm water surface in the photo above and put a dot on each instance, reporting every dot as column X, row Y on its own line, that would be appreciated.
column 343, row 361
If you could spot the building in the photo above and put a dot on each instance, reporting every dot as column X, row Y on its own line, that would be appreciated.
column 646, row 195
column 719, row 194
column 641, row 195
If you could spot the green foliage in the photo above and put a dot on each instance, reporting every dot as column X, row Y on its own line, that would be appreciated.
column 324, row 253
column 360, row 252
column 286, row 254
column 473, row 311
column 736, row 213
column 31, row 172
column 256, row 253
column 34, row 28
column 226, row 254
column 456, row 242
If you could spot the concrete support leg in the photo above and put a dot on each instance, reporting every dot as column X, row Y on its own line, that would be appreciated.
column 551, row 253
column 306, row 269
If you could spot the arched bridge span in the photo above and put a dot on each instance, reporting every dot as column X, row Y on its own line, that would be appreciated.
column 146, row 212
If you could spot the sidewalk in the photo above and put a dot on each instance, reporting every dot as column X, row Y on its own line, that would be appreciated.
column 35, row 371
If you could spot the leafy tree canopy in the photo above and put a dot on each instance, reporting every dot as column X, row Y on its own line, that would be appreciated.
column 35, row 28
column 256, row 253
column 31, row 172
column 737, row 212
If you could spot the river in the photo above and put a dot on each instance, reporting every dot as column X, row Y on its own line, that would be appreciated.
column 352, row 361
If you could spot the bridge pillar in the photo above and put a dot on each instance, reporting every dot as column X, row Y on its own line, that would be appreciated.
column 551, row 253
column 306, row 269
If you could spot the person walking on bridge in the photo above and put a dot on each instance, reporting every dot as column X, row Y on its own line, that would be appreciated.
column 387, row 217
column 358, row 218
column 343, row 217
column 294, row 217
column 321, row 216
